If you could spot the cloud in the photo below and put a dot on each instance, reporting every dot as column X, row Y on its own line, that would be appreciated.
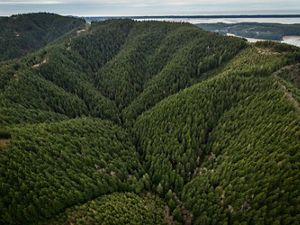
column 33, row 2
column 146, row 7
column 132, row 2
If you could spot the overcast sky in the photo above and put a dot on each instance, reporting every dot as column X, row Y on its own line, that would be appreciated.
column 149, row 7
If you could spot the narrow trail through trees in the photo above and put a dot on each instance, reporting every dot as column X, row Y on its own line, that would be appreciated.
column 288, row 94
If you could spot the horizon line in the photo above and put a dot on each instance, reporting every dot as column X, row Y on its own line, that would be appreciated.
column 273, row 15
column 196, row 16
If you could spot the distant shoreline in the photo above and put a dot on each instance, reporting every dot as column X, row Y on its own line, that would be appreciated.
column 228, row 19
column 201, row 16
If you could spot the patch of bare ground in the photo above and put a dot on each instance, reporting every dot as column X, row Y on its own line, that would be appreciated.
column 3, row 143
column 39, row 64
column 266, row 51
column 186, row 214
column 168, row 218
column 85, row 29
column 80, row 31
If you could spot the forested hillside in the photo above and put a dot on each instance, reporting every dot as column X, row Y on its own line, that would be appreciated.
column 224, row 144
column 130, row 208
column 124, row 122
column 24, row 33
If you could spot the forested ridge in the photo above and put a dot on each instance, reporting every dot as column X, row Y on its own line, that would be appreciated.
column 24, row 33
column 124, row 122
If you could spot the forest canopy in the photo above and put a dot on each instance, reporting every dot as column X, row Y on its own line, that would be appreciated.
column 126, row 122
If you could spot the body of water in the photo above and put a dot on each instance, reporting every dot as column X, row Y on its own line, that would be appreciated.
column 292, row 40
column 252, row 40
column 290, row 20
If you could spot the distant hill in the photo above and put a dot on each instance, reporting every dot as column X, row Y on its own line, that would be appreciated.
column 184, row 17
column 125, row 122
column 25, row 33
column 114, row 70
column 268, row 31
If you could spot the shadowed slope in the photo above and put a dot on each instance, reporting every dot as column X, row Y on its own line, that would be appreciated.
column 21, row 34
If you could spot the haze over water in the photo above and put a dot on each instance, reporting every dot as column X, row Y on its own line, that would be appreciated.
column 229, row 20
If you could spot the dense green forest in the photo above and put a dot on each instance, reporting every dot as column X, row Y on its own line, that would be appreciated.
column 51, row 166
column 268, row 31
column 125, row 122
column 24, row 33
column 215, row 145
column 130, row 208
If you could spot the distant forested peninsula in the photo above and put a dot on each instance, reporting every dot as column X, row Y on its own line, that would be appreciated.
column 268, row 31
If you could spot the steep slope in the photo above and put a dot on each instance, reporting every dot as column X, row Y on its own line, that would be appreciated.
column 250, row 175
column 203, row 53
column 47, row 167
column 28, row 90
column 59, row 77
column 102, row 69
column 20, row 115
column 183, row 138
column 21, row 34
column 123, row 78
column 115, row 209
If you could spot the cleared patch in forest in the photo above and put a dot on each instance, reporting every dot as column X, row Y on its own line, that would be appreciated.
column 3, row 143
column 39, row 64
column 4, row 139
column 266, row 51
